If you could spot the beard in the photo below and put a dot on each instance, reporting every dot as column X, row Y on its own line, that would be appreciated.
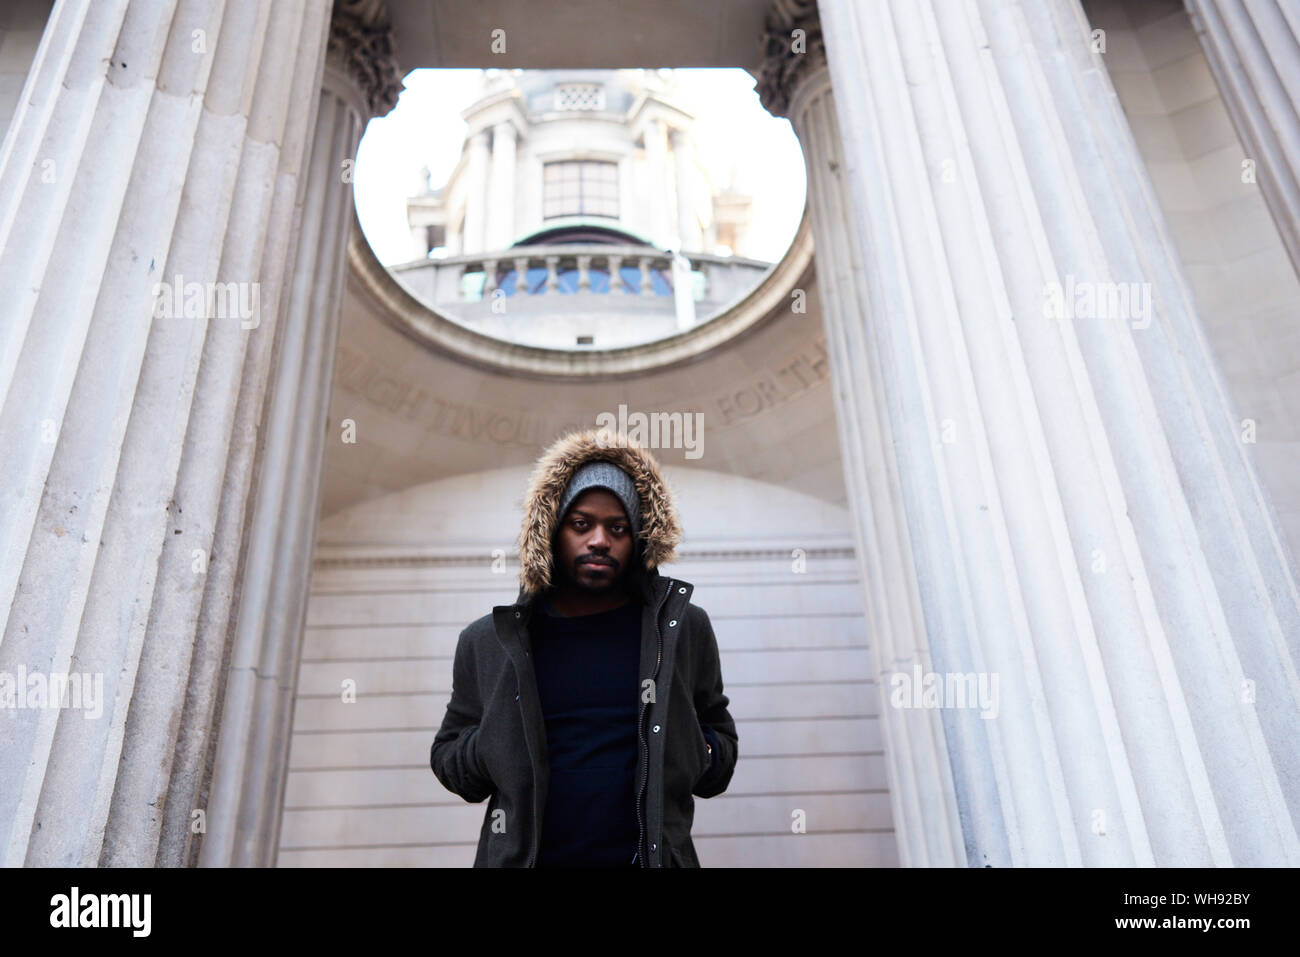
column 624, row 577
column 596, row 579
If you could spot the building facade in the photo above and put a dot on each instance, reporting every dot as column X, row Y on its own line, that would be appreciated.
column 596, row 225
column 550, row 149
column 1017, row 407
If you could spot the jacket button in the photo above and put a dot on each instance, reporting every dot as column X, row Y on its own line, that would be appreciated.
column 681, row 591
column 517, row 614
column 673, row 623
column 654, row 847
column 656, row 729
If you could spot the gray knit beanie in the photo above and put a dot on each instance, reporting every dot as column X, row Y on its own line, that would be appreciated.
column 608, row 476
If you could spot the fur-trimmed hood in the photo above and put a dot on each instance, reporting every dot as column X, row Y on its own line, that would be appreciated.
column 660, row 528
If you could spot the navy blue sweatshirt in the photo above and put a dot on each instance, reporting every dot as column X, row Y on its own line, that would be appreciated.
column 587, row 669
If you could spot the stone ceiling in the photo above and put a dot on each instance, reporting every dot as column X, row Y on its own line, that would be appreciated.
column 540, row 34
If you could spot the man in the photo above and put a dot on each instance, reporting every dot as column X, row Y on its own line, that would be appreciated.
column 591, row 710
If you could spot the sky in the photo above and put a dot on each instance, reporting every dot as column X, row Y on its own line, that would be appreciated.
column 734, row 136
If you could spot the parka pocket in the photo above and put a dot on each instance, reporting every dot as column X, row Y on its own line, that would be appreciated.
column 702, row 748
column 475, row 757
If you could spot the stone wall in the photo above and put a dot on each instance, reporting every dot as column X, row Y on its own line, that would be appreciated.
column 795, row 661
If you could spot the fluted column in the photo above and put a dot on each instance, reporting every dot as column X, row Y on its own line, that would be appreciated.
column 688, row 226
column 361, row 80
column 476, row 200
column 501, row 195
column 1081, row 519
column 160, row 150
column 921, row 790
column 656, row 186
column 1254, row 52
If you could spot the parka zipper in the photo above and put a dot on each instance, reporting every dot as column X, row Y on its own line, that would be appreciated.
column 532, row 856
column 537, row 838
column 645, row 746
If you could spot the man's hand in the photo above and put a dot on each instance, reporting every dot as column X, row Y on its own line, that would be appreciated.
column 454, row 756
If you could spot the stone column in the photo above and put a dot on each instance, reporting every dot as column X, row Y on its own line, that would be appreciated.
column 688, row 227
column 656, row 187
column 1052, row 496
column 476, row 200
column 148, row 192
column 683, row 290
column 361, row 79
column 501, row 195
column 921, row 790
column 1251, row 49
column 420, row 241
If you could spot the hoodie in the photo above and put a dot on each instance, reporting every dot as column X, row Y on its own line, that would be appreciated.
column 492, row 741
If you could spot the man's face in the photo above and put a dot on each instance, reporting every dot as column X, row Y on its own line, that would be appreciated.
column 594, row 544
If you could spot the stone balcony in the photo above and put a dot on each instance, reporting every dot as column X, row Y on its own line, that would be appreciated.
column 576, row 296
